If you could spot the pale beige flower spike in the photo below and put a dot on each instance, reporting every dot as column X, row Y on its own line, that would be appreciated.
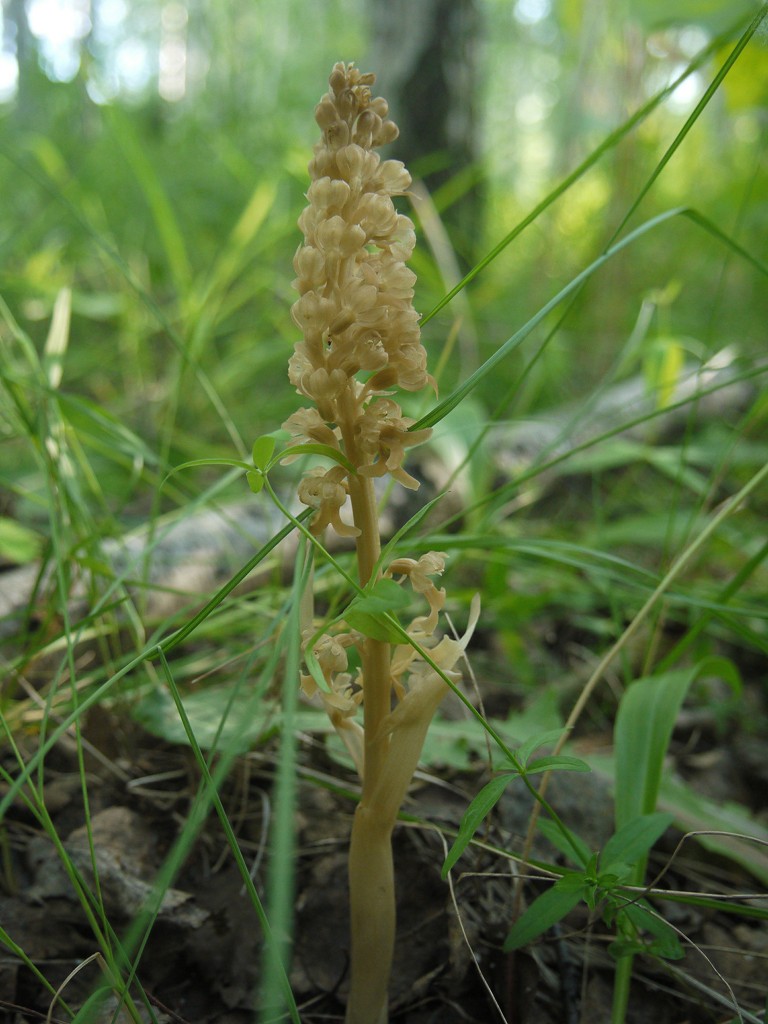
column 361, row 340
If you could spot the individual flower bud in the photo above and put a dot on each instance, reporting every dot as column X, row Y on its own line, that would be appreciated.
column 419, row 572
column 327, row 493
column 308, row 425
column 325, row 112
column 312, row 311
column 410, row 366
column 338, row 78
column 324, row 387
column 365, row 127
column 337, row 134
column 356, row 353
column 309, row 219
column 402, row 240
column 310, row 267
column 393, row 177
column 381, row 382
column 394, row 280
column 387, row 133
column 322, row 164
column 341, row 707
column 331, row 656
column 313, row 346
column 327, row 197
column 383, row 434
column 405, row 325
column 357, row 298
column 376, row 215
column 299, row 367
column 357, row 166
column 346, row 104
column 337, row 237
column 343, row 701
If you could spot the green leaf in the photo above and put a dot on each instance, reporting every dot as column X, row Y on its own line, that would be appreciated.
column 374, row 626
column 384, row 596
column 557, row 762
column 368, row 612
column 610, row 880
column 94, row 1005
column 326, row 450
column 546, row 910
column 223, row 715
column 255, row 480
column 633, row 840
column 18, row 544
column 524, row 751
column 193, row 463
column 642, row 732
column 747, row 844
column 666, row 942
column 724, row 669
column 575, row 881
column 571, row 846
column 263, row 448
column 474, row 815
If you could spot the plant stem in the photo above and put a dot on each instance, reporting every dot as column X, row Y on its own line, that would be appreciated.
column 622, row 981
column 372, row 916
column 371, row 872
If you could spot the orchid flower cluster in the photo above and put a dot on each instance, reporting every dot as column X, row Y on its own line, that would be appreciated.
column 361, row 340
column 356, row 299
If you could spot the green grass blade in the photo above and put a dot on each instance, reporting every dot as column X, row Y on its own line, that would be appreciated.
column 609, row 143
column 647, row 714
column 710, row 91
column 441, row 410
column 281, row 876
column 157, row 200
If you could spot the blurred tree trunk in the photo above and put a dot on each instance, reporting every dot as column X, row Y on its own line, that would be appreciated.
column 425, row 56
column 16, row 30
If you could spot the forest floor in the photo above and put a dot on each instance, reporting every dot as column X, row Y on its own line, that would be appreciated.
column 202, row 959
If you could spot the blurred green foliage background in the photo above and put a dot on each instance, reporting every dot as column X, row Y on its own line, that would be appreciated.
column 153, row 160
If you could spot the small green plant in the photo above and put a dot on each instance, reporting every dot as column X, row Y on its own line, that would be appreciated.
column 610, row 882
column 600, row 880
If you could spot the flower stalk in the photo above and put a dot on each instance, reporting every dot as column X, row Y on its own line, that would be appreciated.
column 360, row 341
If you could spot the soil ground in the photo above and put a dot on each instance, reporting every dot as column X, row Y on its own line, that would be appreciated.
column 202, row 959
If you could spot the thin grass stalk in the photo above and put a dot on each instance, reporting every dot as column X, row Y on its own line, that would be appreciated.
column 281, row 871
